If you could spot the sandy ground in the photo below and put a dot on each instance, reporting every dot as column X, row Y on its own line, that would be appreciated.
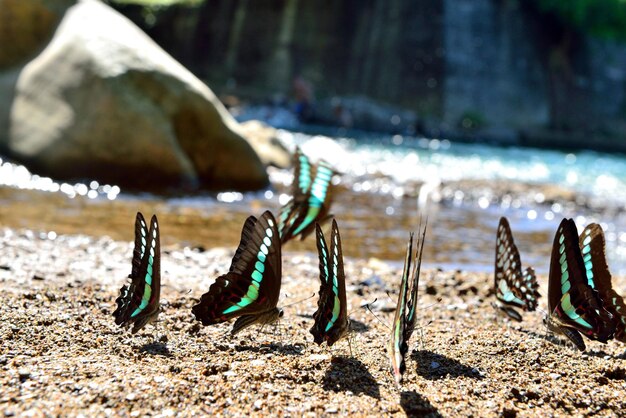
column 61, row 353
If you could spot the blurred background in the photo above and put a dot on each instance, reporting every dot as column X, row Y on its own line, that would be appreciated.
column 467, row 110
column 541, row 72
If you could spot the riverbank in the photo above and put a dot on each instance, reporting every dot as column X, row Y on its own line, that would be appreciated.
column 63, row 354
column 463, row 216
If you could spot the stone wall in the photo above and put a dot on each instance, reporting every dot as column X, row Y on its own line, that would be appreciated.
column 457, row 63
column 493, row 71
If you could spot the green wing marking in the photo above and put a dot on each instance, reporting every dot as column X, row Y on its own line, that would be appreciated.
column 331, row 319
column 574, row 304
column 513, row 287
column 139, row 303
column 251, row 288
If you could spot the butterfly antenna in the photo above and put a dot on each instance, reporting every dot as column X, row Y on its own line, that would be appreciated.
column 299, row 301
column 439, row 299
column 388, row 295
column 367, row 306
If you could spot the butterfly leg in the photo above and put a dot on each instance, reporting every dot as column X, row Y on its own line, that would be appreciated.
column 350, row 344
column 277, row 329
column 226, row 334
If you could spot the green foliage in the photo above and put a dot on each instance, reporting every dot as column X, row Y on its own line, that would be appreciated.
column 158, row 3
column 472, row 119
column 604, row 18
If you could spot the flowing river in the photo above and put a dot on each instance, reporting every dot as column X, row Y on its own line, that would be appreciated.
column 387, row 184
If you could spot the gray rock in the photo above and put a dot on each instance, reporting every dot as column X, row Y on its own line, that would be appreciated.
column 264, row 140
column 102, row 101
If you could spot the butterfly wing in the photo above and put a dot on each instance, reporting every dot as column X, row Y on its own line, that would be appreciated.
column 139, row 303
column 411, row 304
column 141, row 236
column 331, row 317
column 252, row 286
column 514, row 289
column 311, row 198
column 319, row 200
column 398, row 346
column 592, row 247
column 325, row 283
column 296, row 207
column 572, row 303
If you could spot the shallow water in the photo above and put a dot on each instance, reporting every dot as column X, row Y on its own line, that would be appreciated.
column 386, row 183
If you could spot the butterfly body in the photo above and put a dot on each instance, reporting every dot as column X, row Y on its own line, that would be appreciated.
column 406, row 309
column 311, row 198
column 574, row 306
column 593, row 249
column 331, row 318
column 514, row 288
column 250, row 289
column 138, row 303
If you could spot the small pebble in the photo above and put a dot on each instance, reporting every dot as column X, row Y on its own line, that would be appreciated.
column 24, row 374
column 555, row 376
column 318, row 357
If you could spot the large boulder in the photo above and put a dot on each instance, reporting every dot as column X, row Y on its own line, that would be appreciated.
column 103, row 101
column 265, row 142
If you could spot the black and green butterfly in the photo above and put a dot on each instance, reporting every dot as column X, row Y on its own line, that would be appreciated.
column 592, row 247
column 138, row 303
column 250, row 289
column 514, row 288
column 311, row 198
column 575, row 307
column 405, row 318
column 331, row 318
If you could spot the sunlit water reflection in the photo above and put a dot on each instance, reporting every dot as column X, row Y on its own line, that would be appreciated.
column 388, row 181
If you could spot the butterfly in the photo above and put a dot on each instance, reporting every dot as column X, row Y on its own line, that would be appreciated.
column 311, row 198
column 250, row 289
column 405, row 317
column 592, row 248
column 574, row 306
column 514, row 288
column 138, row 303
column 331, row 318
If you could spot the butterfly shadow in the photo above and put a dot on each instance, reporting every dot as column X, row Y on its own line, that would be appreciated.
column 416, row 405
column 349, row 374
column 602, row 354
column 564, row 342
column 284, row 349
column 156, row 349
column 433, row 366
column 358, row 326
column 552, row 338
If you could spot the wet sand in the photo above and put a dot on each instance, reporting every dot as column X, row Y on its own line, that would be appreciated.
column 373, row 224
column 61, row 352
